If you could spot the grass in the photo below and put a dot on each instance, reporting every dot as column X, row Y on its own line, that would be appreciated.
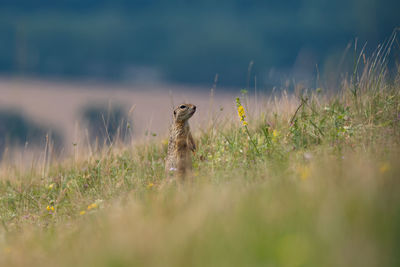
column 308, row 180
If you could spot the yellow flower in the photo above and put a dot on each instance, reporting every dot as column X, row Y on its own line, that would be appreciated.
column 82, row 212
column 384, row 167
column 51, row 186
column 150, row 185
column 275, row 136
column 50, row 208
column 92, row 206
column 241, row 113
column 304, row 172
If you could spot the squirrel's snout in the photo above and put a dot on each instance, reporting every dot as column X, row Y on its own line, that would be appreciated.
column 194, row 107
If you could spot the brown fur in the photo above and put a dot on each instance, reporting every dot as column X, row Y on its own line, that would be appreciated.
column 181, row 143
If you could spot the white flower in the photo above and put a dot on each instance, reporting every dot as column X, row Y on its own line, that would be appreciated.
column 308, row 156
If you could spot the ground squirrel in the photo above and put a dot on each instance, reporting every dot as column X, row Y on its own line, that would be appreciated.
column 179, row 159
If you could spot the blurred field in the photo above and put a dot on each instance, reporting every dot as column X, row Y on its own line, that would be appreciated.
column 60, row 105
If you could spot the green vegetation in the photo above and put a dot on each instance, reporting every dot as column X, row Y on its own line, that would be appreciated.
column 310, row 179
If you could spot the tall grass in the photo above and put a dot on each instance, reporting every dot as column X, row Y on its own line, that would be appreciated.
column 309, row 180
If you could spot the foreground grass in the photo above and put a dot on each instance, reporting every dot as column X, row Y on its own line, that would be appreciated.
column 306, row 181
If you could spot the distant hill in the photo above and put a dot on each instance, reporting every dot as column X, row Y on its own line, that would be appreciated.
column 185, row 41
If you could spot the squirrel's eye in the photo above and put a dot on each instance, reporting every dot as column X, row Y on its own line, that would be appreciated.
column 182, row 107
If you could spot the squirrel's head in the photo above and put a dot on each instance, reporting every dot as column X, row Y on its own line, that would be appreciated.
column 184, row 111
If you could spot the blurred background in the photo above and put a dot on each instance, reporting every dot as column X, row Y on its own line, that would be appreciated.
column 69, row 67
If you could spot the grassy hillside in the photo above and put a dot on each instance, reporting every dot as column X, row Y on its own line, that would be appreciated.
column 308, row 179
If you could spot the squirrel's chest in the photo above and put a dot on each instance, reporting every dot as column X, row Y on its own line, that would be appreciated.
column 178, row 138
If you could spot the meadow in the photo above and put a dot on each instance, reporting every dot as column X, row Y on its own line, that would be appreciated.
column 309, row 178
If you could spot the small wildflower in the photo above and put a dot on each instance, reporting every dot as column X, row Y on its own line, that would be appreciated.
column 50, row 208
column 304, row 172
column 241, row 112
column 242, row 116
column 150, row 185
column 308, row 156
column 275, row 136
column 82, row 212
column 51, row 186
column 92, row 206
column 384, row 167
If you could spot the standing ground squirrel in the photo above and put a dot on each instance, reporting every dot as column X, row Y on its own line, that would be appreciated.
column 179, row 158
